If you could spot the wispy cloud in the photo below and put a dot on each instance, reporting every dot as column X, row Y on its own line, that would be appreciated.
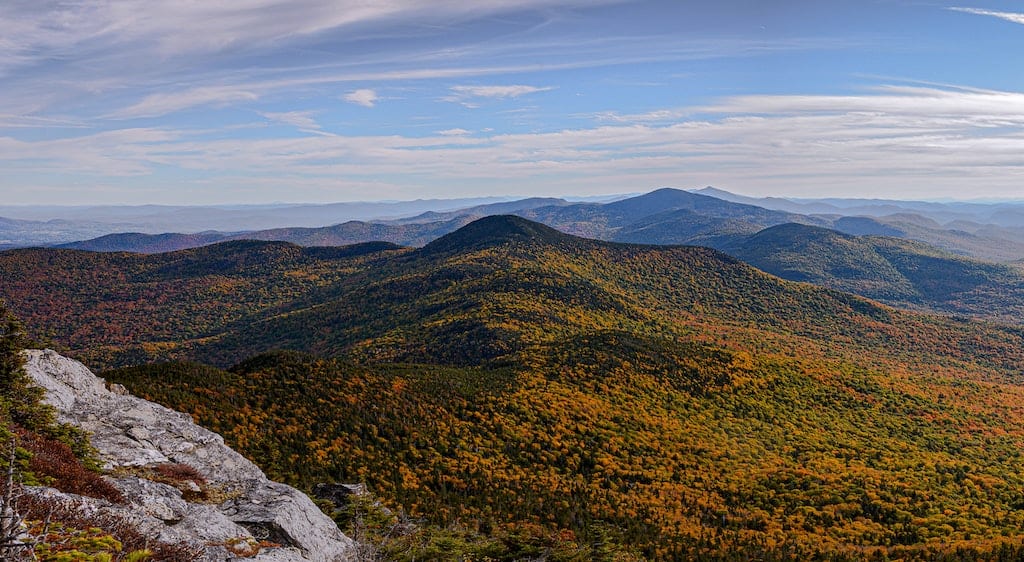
column 660, row 115
column 30, row 122
column 83, row 50
column 931, row 102
column 163, row 103
column 469, row 96
column 364, row 97
column 39, row 28
column 1015, row 17
column 496, row 91
column 931, row 140
column 131, row 58
column 301, row 120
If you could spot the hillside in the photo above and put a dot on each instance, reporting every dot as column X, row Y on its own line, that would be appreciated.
column 552, row 392
column 673, row 217
column 136, row 307
column 979, row 241
column 675, row 397
column 989, row 232
column 504, row 281
column 667, row 447
column 898, row 272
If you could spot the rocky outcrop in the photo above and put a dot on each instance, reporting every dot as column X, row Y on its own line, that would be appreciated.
column 230, row 507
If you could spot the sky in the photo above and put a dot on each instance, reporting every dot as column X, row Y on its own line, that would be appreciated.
column 263, row 101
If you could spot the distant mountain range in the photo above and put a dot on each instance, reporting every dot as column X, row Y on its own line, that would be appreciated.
column 666, row 216
column 49, row 225
column 903, row 260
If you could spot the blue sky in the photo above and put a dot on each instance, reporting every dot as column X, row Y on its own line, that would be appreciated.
column 256, row 101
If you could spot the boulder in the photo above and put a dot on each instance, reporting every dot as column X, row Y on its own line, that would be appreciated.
column 132, row 434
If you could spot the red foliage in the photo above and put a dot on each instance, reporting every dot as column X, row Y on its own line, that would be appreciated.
column 55, row 460
column 178, row 472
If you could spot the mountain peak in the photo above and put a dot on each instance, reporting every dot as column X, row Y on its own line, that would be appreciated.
column 659, row 200
column 495, row 230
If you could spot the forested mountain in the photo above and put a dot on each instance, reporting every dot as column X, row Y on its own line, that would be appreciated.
column 992, row 232
column 665, row 216
column 898, row 272
column 116, row 308
column 673, row 217
column 570, row 396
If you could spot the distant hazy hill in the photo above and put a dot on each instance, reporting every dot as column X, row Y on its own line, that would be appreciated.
column 987, row 242
column 146, row 243
column 1007, row 213
column 41, row 225
column 560, row 394
column 353, row 232
column 503, row 208
column 671, row 216
column 412, row 231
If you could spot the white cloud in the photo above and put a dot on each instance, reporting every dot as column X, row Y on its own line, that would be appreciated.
column 498, row 92
column 364, row 97
column 453, row 132
column 931, row 141
column 971, row 104
column 40, row 27
column 660, row 115
column 469, row 96
column 65, row 53
column 1014, row 17
column 145, row 58
column 299, row 120
column 163, row 103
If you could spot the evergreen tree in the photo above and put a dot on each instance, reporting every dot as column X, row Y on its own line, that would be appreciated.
column 20, row 402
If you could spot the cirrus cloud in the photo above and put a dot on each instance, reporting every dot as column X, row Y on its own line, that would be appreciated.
column 469, row 95
column 1014, row 17
column 931, row 141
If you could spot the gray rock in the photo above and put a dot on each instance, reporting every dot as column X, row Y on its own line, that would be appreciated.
column 118, row 389
column 131, row 432
column 157, row 500
column 339, row 494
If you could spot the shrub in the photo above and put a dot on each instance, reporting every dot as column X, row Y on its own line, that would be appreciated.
column 56, row 462
column 179, row 472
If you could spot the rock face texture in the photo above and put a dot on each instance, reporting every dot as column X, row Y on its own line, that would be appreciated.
column 237, row 506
